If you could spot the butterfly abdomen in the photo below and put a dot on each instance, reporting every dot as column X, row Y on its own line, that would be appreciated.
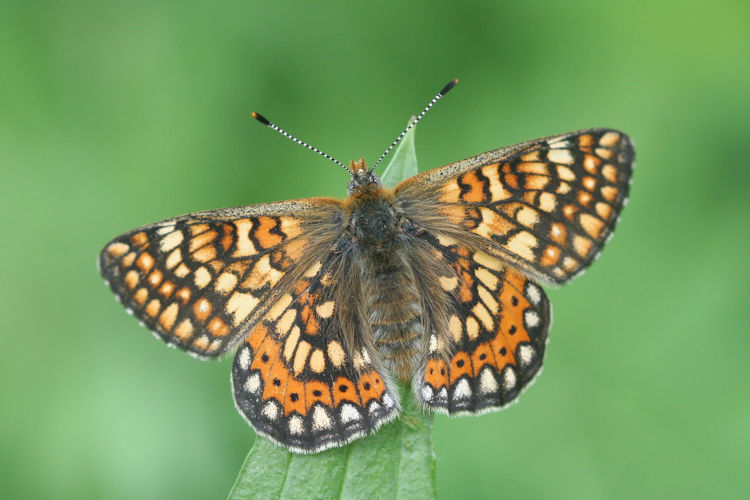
column 395, row 316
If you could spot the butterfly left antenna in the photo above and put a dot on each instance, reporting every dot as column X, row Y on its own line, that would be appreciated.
column 286, row 134
column 435, row 99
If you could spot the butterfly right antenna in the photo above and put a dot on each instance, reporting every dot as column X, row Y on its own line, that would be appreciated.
column 435, row 99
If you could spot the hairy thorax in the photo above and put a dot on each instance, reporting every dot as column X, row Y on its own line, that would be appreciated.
column 387, row 284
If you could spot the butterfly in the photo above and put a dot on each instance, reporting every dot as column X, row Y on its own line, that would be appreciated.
column 328, row 302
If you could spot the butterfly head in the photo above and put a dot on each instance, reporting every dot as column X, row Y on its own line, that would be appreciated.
column 361, row 177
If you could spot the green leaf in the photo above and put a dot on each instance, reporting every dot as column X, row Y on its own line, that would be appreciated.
column 403, row 162
column 397, row 462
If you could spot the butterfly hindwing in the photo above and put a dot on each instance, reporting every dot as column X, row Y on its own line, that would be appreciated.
column 300, row 380
column 545, row 206
column 497, row 329
column 198, row 280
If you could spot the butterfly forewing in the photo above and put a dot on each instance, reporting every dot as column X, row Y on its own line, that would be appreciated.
column 546, row 206
column 197, row 280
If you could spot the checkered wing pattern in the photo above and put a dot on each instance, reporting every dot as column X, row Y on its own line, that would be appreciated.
column 546, row 206
column 300, row 379
column 199, row 280
column 497, row 332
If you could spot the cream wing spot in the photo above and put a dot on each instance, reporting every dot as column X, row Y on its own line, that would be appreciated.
column 171, row 240
column 565, row 173
column 488, row 300
column 455, row 327
column 610, row 139
column 481, row 313
column 165, row 230
column 487, row 382
column 433, row 343
column 285, row 322
column 525, row 354
column 174, row 258
column 155, row 278
column 271, row 410
column 201, row 277
column 205, row 254
column 244, row 358
column 463, row 390
column 533, row 293
column 388, row 401
column 448, row 284
column 531, row 318
column 547, row 201
column 560, row 156
column 497, row 189
column 182, row 270
column 145, row 262
column 336, row 353
column 296, row 425
column 153, row 307
column 252, row 384
column 168, row 316
column 446, row 241
column 442, row 395
column 300, row 357
column 582, row 245
column 128, row 260
column 486, row 277
column 604, row 153
column 320, row 419
column 201, row 343
column 559, row 144
column 472, row 328
column 225, row 283
column 245, row 246
column 358, row 361
column 118, row 249
column 374, row 408
column 279, row 307
column 240, row 305
column 349, row 413
column 132, row 278
column 509, row 379
column 312, row 271
column 527, row 216
column 487, row 261
column 184, row 330
column 291, row 343
column 317, row 361
column 325, row 310
column 522, row 244
column 140, row 295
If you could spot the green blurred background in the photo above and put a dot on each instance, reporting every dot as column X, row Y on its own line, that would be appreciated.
column 116, row 115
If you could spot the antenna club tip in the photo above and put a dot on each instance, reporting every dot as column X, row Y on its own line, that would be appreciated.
column 260, row 118
column 450, row 85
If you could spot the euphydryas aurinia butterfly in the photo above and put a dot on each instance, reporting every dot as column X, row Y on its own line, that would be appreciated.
column 433, row 282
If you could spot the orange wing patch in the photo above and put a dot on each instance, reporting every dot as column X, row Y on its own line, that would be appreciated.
column 294, row 381
column 499, row 331
column 197, row 280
